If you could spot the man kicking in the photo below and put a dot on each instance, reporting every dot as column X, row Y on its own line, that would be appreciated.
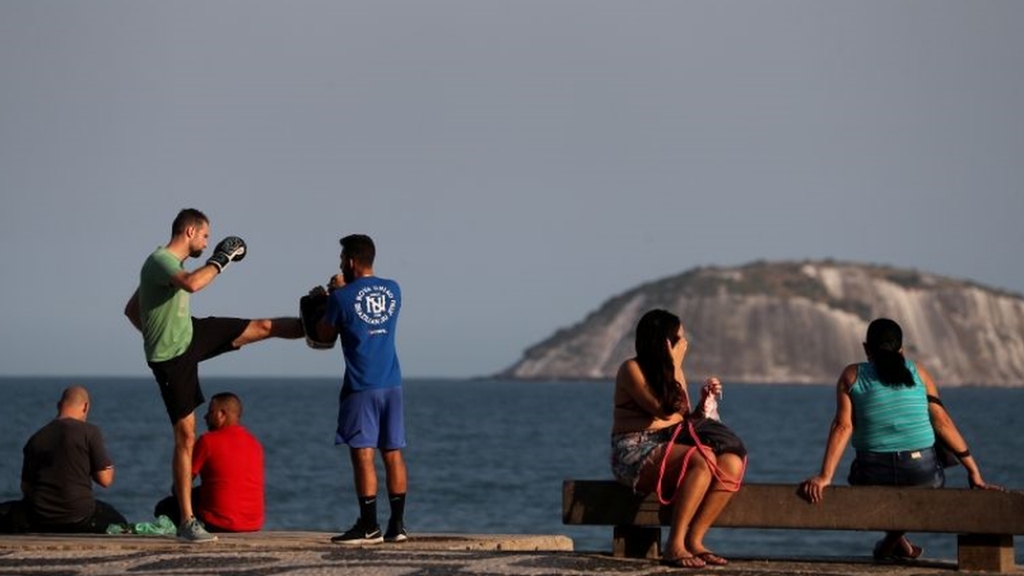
column 175, row 342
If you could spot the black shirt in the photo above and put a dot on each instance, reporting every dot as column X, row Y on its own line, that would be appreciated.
column 60, row 460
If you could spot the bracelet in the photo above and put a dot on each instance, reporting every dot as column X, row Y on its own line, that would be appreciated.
column 962, row 455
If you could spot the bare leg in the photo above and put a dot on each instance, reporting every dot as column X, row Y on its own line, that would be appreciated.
column 692, row 491
column 365, row 473
column 730, row 465
column 908, row 550
column 394, row 467
column 687, row 499
column 895, row 545
column 290, row 328
column 181, row 463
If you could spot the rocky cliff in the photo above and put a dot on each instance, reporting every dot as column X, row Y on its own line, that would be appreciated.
column 799, row 322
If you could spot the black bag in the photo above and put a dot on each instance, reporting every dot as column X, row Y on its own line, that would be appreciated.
column 712, row 435
column 719, row 437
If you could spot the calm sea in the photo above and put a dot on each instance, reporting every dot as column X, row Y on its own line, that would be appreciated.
column 486, row 456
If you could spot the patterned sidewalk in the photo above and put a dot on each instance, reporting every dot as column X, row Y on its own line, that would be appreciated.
column 311, row 553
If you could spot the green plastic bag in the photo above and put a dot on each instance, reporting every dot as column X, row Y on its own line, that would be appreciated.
column 162, row 526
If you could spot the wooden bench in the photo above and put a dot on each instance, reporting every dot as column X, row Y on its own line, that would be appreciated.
column 984, row 520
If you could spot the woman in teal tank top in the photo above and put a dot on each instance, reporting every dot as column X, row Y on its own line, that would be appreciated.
column 898, row 416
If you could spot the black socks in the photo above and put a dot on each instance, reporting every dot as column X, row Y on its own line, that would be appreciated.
column 368, row 511
column 397, row 503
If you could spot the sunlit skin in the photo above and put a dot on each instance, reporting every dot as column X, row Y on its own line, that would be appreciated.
column 701, row 497
column 191, row 242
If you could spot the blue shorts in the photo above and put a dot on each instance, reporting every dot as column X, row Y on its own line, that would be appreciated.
column 371, row 419
column 908, row 468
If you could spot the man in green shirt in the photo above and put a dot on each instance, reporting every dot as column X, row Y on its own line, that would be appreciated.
column 175, row 342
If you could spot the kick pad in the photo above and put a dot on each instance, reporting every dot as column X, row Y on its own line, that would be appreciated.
column 311, row 310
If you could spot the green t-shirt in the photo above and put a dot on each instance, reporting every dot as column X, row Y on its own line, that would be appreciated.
column 166, row 317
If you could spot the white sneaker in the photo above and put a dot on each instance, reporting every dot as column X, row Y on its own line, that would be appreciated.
column 192, row 531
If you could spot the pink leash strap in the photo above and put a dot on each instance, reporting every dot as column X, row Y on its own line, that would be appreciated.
column 728, row 484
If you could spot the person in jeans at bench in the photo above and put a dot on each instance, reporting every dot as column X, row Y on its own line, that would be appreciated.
column 650, row 402
column 889, row 406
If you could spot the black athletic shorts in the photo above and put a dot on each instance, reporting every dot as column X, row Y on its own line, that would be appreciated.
column 179, row 377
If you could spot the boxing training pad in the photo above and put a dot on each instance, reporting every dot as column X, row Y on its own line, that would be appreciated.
column 311, row 310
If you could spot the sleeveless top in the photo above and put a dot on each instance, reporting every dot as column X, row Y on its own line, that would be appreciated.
column 889, row 418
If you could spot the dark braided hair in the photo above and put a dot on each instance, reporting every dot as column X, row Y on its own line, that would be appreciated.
column 654, row 359
column 884, row 347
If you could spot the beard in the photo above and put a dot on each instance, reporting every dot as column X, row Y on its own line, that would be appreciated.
column 348, row 274
column 195, row 253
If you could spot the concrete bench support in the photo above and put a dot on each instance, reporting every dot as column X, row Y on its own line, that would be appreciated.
column 984, row 520
column 636, row 542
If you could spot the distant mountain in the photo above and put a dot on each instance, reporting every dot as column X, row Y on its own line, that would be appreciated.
column 799, row 322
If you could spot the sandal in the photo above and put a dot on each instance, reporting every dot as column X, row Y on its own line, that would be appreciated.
column 684, row 562
column 902, row 553
column 712, row 559
column 896, row 551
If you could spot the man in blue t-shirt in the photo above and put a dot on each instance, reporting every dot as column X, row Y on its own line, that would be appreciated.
column 363, row 310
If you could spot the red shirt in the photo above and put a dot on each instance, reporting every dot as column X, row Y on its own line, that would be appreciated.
column 229, row 462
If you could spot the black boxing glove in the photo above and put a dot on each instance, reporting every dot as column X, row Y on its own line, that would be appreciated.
column 230, row 249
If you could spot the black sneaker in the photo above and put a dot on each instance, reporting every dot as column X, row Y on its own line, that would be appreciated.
column 396, row 532
column 359, row 535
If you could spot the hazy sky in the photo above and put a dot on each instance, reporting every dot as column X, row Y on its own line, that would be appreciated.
column 518, row 163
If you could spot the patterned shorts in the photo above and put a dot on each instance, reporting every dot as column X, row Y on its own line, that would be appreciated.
column 630, row 450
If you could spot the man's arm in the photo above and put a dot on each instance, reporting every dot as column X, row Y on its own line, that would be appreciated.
column 195, row 280
column 104, row 477
column 131, row 310
column 187, row 281
column 100, row 464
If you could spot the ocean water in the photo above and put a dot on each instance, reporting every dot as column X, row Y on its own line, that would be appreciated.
column 487, row 456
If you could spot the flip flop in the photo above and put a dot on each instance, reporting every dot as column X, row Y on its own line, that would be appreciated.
column 901, row 554
column 897, row 552
column 684, row 562
column 712, row 559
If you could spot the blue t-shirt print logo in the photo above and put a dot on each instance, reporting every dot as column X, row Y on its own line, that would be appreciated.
column 375, row 304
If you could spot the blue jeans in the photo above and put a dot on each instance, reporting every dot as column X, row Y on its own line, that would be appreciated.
column 907, row 468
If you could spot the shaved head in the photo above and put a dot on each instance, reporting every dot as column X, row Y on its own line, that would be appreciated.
column 74, row 403
column 74, row 396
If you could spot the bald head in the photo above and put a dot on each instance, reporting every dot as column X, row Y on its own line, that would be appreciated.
column 74, row 403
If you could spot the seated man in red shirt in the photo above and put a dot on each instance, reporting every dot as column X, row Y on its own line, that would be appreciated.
column 229, row 463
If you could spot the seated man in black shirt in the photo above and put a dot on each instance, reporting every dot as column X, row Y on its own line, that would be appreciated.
column 61, row 461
